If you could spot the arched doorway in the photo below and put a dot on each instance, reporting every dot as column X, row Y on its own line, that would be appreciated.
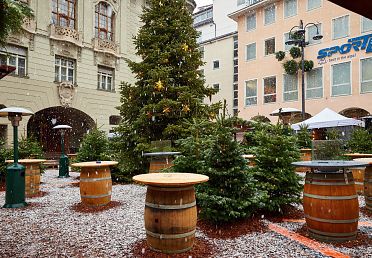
column 354, row 112
column 41, row 123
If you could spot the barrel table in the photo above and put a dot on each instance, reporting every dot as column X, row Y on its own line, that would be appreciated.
column 95, row 182
column 330, row 201
column 358, row 173
column 32, row 175
column 160, row 160
column 170, row 210
column 367, row 182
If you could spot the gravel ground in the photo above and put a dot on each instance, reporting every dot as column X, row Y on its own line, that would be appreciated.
column 50, row 227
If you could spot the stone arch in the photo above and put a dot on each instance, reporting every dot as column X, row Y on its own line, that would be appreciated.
column 41, row 123
column 296, row 118
column 354, row 112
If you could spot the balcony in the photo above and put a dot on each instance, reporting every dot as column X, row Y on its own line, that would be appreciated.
column 29, row 25
column 105, row 46
column 65, row 34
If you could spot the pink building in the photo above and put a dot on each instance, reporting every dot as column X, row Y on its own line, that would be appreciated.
column 342, row 75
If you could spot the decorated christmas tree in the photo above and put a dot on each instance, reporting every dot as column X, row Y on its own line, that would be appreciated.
column 169, row 89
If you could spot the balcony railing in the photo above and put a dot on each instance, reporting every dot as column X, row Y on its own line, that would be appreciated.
column 105, row 46
column 65, row 34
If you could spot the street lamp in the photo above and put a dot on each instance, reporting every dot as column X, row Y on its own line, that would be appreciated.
column 63, row 161
column 299, row 40
column 15, row 173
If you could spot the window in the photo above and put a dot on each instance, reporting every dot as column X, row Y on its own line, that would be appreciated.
column 216, row 86
column 64, row 13
column 314, row 83
column 236, row 69
column 341, row 27
column 269, row 89
column 286, row 38
column 104, row 21
column 105, row 78
column 201, row 49
column 251, row 22
column 290, row 8
column 341, row 84
column 313, row 4
column 251, row 92
column 216, row 64
column 235, row 78
column 269, row 46
column 312, row 31
column 235, row 86
column 14, row 56
column 204, row 16
column 290, row 83
column 114, row 120
column 64, row 69
column 251, row 51
column 270, row 15
column 366, row 75
column 366, row 24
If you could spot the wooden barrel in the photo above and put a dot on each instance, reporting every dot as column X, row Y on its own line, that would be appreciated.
column 305, row 156
column 331, row 206
column 32, row 179
column 358, row 175
column 95, row 185
column 368, row 187
column 170, row 218
column 156, row 165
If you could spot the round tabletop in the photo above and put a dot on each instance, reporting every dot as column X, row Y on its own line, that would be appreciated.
column 359, row 155
column 366, row 160
column 72, row 154
column 91, row 164
column 329, row 165
column 160, row 154
column 27, row 161
column 170, row 179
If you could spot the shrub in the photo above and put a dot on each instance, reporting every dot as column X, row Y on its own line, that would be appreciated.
column 30, row 148
column 304, row 137
column 360, row 141
column 328, row 149
column 94, row 146
column 280, row 55
column 295, row 52
column 276, row 149
column 290, row 67
column 4, row 155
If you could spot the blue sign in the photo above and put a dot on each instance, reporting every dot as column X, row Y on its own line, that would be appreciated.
column 358, row 43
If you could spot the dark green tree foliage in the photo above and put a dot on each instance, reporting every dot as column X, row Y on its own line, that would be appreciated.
column 360, row 141
column 230, row 192
column 276, row 149
column 94, row 146
column 12, row 14
column 4, row 155
column 30, row 148
column 304, row 137
column 168, row 88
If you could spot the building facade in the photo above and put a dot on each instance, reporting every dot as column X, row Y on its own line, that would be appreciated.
column 341, row 78
column 70, row 61
column 218, row 43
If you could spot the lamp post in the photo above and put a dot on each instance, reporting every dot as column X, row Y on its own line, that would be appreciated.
column 63, row 160
column 15, row 173
column 299, row 40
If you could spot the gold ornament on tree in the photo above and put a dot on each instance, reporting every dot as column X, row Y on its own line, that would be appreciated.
column 166, row 110
column 185, row 47
column 159, row 85
column 185, row 108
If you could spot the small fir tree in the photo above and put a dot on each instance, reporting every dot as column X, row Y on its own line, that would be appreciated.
column 94, row 146
column 360, row 141
column 276, row 149
column 30, row 148
column 168, row 89
column 4, row 155
column 304, row 137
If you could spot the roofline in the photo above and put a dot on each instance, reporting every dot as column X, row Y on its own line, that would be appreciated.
column 227, row 35
column 235, row 15
column 205, row 8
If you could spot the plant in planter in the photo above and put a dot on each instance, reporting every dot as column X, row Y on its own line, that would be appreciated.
column 360, row 141
column 4, row 155
column 304, row 137
column 274, row 152
column 308, row 65
column 94, row 146
column 280, row 55
column 30, row 148
column 290, row 67
column 295, row 52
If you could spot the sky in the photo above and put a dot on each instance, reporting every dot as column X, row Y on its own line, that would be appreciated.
column 203, row 2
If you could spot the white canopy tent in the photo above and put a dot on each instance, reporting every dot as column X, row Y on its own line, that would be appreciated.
column 327, row 118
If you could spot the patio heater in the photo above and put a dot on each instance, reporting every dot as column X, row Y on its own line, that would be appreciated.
column 63, row 160
column 15, row 173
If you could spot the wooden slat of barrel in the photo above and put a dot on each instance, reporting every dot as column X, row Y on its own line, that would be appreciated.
column 368, row 187
column 358, row 175
column 32, row 179
column 170, row 218
column 156, row 165
column 95, row 185
column 331, row 206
